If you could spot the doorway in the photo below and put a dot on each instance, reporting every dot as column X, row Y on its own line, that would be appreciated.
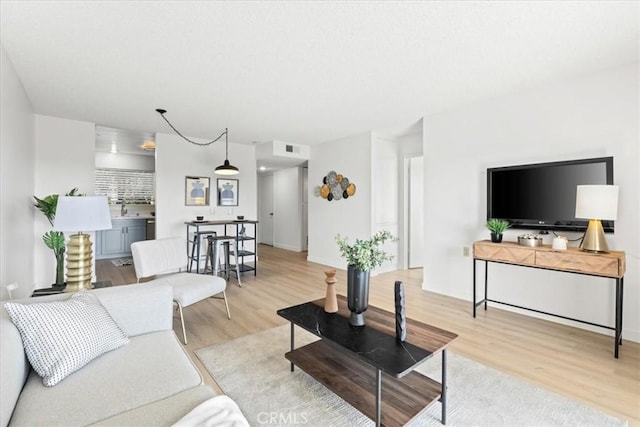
column 265, row 209
column 414, row 224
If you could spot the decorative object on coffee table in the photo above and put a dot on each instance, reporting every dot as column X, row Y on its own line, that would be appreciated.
column 362, row 257
column 357, row 294
column 497, row 227
column 401, row 316
column 330, row 300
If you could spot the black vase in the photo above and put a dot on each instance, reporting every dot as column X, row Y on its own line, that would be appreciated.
column 496, row 238
column 357, row 294
column 401, row 316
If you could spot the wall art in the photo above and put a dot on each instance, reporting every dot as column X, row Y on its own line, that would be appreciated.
column 335, row 186
column 196, row 190
column 228, row 192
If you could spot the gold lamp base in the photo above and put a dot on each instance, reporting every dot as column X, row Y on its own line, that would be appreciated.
column 594, row 240
column 79, row 259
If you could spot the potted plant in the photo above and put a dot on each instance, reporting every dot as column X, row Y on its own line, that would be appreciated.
column 54, row 239
column 497, row 227
column 362, row 257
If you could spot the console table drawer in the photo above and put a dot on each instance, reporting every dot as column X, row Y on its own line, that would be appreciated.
column 583, row 263
column 504, row 253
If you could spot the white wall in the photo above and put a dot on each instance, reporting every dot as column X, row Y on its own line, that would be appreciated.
column 176, row 159
column 64, row 159
column 385, row 194
column 16, row 182
column 411, row 144
column 591, row 116
column 351, row 157
column 287, row 208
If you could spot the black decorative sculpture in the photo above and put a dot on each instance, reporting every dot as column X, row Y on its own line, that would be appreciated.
column 401, row 317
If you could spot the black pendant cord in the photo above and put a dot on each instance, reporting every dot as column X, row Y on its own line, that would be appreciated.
column 226, row 144
column 202, row 144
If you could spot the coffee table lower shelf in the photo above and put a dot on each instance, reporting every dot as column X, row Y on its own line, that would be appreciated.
column 355, row 381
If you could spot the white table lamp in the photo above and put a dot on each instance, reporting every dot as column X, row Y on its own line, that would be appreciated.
column 595, row 203
column 78, row 214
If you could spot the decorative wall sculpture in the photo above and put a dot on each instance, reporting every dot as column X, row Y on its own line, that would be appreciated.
column 335, row 186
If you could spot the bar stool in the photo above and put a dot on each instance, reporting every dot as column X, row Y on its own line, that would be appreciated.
column 196, row 253
column 215, row 249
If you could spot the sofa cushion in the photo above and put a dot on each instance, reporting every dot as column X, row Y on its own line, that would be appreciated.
column 150, row 368
column 164, row 412
column 61, row 337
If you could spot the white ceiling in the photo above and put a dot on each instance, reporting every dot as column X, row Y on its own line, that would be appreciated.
column 109, row 140
column 301, row 72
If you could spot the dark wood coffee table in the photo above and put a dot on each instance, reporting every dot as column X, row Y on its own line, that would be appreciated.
column 351, row 361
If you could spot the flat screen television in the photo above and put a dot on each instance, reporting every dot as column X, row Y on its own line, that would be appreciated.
column 542, row 196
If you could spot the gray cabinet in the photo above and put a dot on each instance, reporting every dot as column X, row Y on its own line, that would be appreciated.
column 117, row 241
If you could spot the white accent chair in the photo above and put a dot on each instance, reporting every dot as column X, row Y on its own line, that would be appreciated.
column 167, row 259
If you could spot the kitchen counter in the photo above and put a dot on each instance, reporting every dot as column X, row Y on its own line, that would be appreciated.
column 118, row 218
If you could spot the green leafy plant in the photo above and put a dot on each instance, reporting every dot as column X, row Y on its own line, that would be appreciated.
column 498, row 226
column 366, row 255
column 54, row 239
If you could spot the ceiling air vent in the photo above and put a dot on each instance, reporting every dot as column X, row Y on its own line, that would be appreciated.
column 291, row 149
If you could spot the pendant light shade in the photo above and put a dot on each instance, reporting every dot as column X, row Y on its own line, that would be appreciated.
column 227, row 169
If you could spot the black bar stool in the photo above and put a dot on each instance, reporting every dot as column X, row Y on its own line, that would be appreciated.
column 196, row 253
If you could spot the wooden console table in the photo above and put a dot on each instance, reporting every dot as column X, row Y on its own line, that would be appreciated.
column 573, row 260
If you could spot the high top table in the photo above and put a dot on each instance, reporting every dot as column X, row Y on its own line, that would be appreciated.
column 356, row 363
column 196, row 228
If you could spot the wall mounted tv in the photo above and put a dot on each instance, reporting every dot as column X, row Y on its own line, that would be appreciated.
column 543, row 196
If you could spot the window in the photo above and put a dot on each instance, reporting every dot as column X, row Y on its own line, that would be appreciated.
column 132, row 186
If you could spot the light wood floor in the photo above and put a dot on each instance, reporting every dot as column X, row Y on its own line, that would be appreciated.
column 570, row 361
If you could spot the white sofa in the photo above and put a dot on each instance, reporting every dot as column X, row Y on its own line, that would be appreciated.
column 149, row 381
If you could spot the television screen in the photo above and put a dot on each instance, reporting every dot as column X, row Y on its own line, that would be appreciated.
column 543, row 196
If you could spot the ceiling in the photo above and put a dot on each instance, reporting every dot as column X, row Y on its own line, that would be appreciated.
column 112, row 140
column 300, row 72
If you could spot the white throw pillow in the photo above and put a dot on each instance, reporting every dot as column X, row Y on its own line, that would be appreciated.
column 61, row 337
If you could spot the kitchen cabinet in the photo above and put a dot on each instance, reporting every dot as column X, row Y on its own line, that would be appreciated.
column 117, row 241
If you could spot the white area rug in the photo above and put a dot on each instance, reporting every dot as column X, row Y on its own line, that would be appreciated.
column 253, row 371
column 119, row 262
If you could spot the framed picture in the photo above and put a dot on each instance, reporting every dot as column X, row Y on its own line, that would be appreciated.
column 228, row 192
column 196, row 190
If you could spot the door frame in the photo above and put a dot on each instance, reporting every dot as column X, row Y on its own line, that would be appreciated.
column 261, row 207
column 406, row 165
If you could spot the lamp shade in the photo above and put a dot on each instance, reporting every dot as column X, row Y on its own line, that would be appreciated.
column 88, row 213
column 226, row 169
column 597, row 202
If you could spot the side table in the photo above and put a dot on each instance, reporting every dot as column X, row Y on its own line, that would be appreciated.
column 53, row 291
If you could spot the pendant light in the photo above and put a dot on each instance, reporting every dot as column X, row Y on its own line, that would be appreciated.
column 224, row 169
